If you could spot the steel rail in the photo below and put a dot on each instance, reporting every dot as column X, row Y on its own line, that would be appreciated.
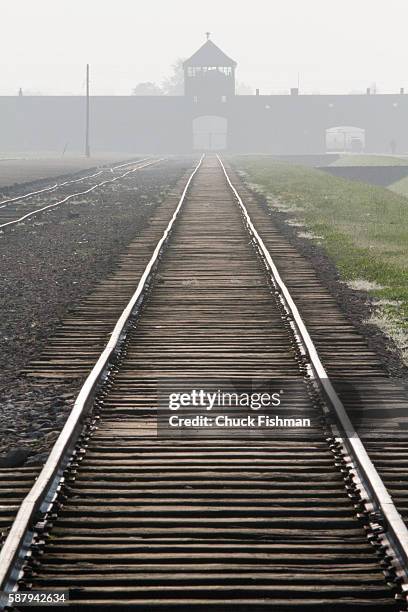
column 79, row 193
column 116, row 167
column 367, row 477
column 41, row 494
column 5, row 203
column 49, row 189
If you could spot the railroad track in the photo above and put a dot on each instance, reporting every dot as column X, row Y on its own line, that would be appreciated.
column 16, row 210
column 30, row 194
column 128, row 519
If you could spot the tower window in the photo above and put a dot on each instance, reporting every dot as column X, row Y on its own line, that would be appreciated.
column 193, row 71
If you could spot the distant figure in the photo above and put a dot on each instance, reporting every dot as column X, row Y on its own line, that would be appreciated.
column 20, row 92
column 393, row 146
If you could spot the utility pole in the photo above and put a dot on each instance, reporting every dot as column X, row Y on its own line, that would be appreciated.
column 87, row 146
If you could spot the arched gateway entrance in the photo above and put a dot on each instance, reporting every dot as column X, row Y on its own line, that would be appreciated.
column 345, row 138
column 210, row 133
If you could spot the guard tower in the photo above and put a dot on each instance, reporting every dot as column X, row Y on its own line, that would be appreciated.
column 209, row 74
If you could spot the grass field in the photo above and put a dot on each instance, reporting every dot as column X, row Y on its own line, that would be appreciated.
column 363, row 228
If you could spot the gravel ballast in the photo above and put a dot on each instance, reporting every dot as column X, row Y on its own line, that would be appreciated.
column 47, row 265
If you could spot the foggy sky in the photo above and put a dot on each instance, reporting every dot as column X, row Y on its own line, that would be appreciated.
column 337, row 47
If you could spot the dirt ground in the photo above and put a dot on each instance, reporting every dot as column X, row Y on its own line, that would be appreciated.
column 47, row 265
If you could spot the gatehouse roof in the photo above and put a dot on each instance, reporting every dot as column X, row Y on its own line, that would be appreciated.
column 210, row 55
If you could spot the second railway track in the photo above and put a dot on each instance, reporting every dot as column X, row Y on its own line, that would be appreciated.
column 17, row 210
column 148, row 522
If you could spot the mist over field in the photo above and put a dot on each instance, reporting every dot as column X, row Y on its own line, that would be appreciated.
column 331, row 49
column 204, row 305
